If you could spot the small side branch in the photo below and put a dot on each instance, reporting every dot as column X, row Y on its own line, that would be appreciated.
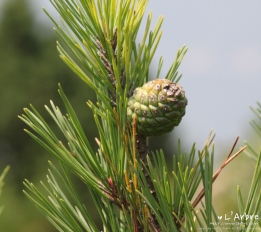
column 228, row 159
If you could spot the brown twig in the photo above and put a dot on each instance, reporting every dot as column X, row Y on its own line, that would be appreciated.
column 112, row 194
column 228, row 159
column 214, row 177
column 141, row 144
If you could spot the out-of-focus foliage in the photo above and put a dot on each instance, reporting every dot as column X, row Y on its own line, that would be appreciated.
column 256, row 125
column 30, row 71
column 2, row 176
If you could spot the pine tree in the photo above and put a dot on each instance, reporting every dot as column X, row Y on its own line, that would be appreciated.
column 133, row 188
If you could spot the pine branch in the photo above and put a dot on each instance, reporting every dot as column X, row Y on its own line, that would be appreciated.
column 130, row 186
column 214, row 177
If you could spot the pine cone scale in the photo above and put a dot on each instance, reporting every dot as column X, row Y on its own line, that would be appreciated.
column 159, row 106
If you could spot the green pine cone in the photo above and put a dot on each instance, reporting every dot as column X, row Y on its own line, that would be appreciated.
column 159, row 106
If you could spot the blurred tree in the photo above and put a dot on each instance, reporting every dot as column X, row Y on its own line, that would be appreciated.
column 30, row 71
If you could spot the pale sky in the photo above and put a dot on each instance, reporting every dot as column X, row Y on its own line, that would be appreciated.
column 222, row 69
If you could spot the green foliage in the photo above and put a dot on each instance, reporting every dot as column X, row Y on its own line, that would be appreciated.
column 252, row 204
column 256, row 125
column 29, row 72
column 2, row 183
column 64, row 215
column 132, row 192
